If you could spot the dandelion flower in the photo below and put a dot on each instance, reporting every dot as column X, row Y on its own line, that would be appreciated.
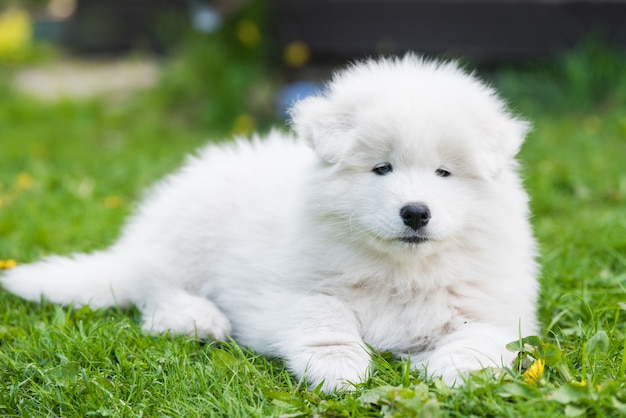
column 15, row 33
column 296, row 54
column 244, row 124
column 534, row 373
column 113, row 202
column 24, row 181
column 248, row 33
column 7, row 264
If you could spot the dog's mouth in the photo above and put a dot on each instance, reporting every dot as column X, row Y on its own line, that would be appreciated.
column 414, row 239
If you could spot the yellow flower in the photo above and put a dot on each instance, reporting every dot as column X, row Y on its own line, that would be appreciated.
column 296, row 54
column 244, row 125
column 113, row 202
column 248, row 33
column 7, row 264
column 24, row 181
column 15, row 32
column 583, row 383
column 534, row 372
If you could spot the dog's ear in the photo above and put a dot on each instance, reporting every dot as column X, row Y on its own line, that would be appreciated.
column 323, row 125
column 505, row 141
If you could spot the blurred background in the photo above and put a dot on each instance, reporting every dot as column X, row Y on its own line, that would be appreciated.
column 99, row 98
column 238, row 64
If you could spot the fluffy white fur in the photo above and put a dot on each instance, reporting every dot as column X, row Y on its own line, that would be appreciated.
column 300, row 251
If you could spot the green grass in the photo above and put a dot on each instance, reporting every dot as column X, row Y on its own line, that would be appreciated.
column 70, row 172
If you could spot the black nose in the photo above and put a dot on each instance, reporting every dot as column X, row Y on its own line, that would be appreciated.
column 415, row 215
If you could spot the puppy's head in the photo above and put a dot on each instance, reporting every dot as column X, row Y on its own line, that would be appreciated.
column 416, row 150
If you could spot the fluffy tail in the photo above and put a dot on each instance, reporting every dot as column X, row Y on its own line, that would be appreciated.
column 98, row 279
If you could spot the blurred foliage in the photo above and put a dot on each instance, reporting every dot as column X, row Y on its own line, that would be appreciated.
column 592, row 74
column 222, row 79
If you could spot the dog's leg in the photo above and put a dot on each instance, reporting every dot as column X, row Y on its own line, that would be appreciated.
column 180, row 312
column 321, row 342
column 474, row 346
column 335, row 364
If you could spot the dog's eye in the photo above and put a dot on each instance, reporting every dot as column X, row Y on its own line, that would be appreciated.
column 382, row 169
column 442, row 172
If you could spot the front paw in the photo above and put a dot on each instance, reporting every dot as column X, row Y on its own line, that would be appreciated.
column 448, row 368
column 334, row 366
column 454, row 367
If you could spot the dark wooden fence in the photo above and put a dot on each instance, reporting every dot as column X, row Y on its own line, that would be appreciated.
column 480, row 28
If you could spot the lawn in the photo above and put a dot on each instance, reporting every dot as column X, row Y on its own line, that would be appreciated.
column 70, row 171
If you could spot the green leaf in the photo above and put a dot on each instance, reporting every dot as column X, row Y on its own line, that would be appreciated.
column 600, row 341
column 374, row 396
column 430, row 409
column 518, row 390
column 552, row 354
column 223, row 359
column 618, row 405
column 574, row 411
column 570, row 393
column 524, row 343
column 441, row 388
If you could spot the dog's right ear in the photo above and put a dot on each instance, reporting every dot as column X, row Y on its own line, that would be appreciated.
column 324, row 126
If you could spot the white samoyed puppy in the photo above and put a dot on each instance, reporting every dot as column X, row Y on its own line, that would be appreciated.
column 393, row 219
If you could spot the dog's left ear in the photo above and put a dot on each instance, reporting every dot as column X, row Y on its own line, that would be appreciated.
column 323, row 126
column 505, row 141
